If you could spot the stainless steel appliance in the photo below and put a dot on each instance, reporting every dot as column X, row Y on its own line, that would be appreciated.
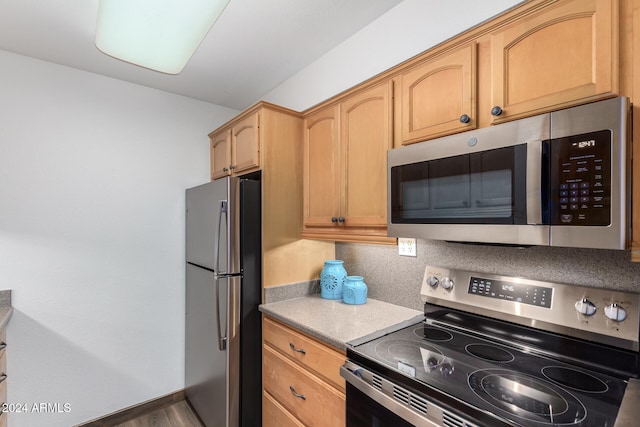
column 497, row 351
column 223, row 276
column 559, row 179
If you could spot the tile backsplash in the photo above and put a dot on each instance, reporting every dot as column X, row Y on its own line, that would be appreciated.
column 397, row 279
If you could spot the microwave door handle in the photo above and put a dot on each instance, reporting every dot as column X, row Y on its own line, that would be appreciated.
column 534, row 182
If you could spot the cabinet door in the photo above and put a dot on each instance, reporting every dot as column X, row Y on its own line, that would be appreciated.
column 321, row 173
column 275, row 415
column 563, row 55
column 245, row 142
column 220, row 154
column 309, row 399
column 366, row 123
column 438, row 97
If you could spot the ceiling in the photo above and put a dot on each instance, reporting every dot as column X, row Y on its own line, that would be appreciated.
column 253, row 47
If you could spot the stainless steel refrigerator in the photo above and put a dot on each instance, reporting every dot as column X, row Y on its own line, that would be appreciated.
column 223, row 277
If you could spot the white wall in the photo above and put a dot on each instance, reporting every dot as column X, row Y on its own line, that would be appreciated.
column 408, row 29
column 92, row 179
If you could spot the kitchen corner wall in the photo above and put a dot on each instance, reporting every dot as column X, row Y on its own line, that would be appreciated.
column 92, row 179
column 397, row 279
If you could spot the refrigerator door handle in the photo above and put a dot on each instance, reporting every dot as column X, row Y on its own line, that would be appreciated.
column 222, row 340
column 221, row 212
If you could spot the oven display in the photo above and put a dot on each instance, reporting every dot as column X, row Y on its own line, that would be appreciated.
column 517, row 292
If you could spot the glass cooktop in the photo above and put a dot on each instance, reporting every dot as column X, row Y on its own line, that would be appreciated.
column 512, row 383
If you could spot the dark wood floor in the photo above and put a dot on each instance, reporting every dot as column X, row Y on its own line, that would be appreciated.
column 179, row 414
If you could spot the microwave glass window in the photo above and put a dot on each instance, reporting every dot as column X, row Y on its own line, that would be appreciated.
column 470, row 188
column 581, row 179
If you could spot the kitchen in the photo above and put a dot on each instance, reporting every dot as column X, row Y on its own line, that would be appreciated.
column 96, row 324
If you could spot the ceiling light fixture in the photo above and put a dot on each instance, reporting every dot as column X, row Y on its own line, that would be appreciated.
column 158, row 34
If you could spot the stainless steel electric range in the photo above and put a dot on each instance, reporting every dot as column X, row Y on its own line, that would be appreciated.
column 498, row 351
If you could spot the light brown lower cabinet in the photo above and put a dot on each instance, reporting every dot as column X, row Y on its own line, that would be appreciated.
column 301, row 380
column 3, row 375
column 274, row 414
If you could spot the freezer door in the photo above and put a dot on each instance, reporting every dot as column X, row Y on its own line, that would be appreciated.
column 211, row 374
column 211, row 229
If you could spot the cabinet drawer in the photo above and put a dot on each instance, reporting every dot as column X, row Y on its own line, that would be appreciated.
column 3, row 388
column 3, row 374
column 313, row 355
column 311, row 400
column 275, row 415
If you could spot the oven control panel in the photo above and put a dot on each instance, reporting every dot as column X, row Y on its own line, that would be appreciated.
column 510, row 291
column 602, row 315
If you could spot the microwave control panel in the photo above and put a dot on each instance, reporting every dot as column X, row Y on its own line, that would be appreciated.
column 581, row 179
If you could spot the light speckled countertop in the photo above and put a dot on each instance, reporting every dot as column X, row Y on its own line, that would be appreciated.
column 5, row 315
column 335, row 322
column 5, row 308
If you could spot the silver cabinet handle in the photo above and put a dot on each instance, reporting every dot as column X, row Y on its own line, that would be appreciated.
column 298, row 395
column 297, row 350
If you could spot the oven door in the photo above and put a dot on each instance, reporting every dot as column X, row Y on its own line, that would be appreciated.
column 362, row 410
column 373, row 400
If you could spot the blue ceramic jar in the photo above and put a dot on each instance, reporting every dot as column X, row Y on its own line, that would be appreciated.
column 332, row 279
column 355, row 290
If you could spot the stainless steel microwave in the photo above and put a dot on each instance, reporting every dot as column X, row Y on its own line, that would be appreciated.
column 558, row 179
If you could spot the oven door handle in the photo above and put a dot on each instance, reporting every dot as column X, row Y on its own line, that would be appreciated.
column 354, row 375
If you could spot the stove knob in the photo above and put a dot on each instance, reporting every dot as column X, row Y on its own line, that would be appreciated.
column 433, row 281
column 447, row 283
column 615, row 312
column 586, row 307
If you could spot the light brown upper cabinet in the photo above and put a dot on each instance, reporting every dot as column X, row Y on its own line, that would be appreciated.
column 220, row 153
column 321, row 173
column 561, row 55
column 236, row 151
column 345, row 157
column 268, row 138
column 437, row 97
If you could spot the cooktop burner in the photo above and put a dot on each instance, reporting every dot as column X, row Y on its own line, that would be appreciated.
column 433, row 334
column 409, row 352
column 507, row 381
column 527, row 397
column 574, row 379
column 491, row 353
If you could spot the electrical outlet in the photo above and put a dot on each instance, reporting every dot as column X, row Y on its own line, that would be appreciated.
column 406, row 246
